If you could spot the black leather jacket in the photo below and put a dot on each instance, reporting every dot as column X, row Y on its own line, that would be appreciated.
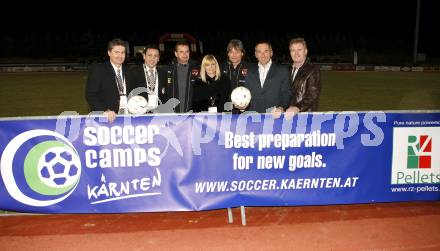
column 306, row 87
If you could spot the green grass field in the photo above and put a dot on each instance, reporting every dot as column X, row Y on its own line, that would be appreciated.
column 40, row 94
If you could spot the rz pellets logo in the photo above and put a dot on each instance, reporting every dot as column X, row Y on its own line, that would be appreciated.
column 416, row 155
column 419, row 151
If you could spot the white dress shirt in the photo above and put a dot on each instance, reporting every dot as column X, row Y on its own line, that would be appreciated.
column 263, row 70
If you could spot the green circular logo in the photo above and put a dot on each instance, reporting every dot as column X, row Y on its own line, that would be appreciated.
column 52, row 168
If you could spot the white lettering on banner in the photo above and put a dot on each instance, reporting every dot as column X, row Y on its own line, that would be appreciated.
column 132, row 156
column 275, row 185
column 305, row 161
column 275, row 162
column 111, row 191
column 239, row 141
column 117, row 135
column 283, row 141
column 118, row 157
column 270, row 162
column 89, row 156
column 242, row 162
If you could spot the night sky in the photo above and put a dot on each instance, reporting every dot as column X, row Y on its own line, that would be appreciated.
column 381, row 20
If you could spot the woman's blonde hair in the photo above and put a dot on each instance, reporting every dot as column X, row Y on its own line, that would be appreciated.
column 209, row 59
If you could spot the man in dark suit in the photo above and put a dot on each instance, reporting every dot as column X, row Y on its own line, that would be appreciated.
column 305, row 79
column 268, row 83
column 109, row 84
column 151, row 78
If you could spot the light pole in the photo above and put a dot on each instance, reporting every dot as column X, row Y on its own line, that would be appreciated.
column 416, row 33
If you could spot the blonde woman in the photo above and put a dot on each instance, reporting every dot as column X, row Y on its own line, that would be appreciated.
column 212, row 89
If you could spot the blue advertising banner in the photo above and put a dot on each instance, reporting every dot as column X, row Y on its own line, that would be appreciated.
column 185, row 162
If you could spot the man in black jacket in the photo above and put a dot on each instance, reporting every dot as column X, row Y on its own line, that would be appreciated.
column 235, row 68
column 181, row 76
column 109, row 84
column 305, row 78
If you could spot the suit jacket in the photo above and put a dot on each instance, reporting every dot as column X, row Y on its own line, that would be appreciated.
column 275, row 92
column 140, row 80
column 101, row 89
column 306, row 87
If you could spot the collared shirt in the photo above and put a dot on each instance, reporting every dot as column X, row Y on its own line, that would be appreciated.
column 263, row 70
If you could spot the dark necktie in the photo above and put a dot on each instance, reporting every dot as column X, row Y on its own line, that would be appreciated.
column 120, row 89
column 119, row 82
column 292, row 76
column 151, row 80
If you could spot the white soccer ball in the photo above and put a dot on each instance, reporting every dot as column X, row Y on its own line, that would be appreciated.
column 137, row 105
column 59, row 167
column 241, row 97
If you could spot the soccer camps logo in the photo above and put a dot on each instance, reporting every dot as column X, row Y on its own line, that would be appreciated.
column 416, row 155
column 40, row 168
